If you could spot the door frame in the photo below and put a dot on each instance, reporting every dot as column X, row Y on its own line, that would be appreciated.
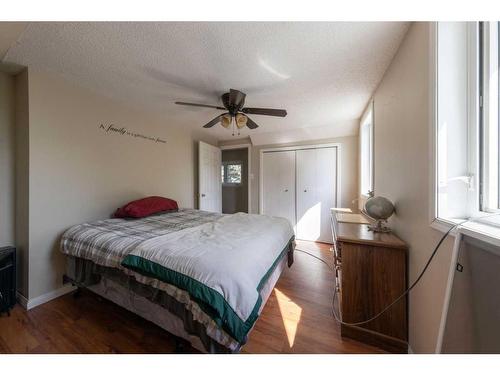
column 248, row 146
column 295, row 148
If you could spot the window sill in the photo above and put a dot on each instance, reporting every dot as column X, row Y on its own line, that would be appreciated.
column 443, row 225
column 479, row 230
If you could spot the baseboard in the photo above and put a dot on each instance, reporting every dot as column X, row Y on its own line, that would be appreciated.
column 28, row 304
column 410, row 350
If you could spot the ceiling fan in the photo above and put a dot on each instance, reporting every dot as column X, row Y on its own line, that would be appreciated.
column 233, row 102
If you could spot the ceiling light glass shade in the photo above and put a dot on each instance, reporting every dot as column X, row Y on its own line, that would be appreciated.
column 241, row 120
column 225, row 121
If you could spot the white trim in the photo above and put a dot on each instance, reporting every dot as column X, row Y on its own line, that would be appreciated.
column 248, row 146
column 473, row 158
column 443, row 225
column 410, row 350
column 28, row 304
column 370, row 109
column 301, row 147
column 490, row 184
column 446, row 304
column 482, row 232
column 477, row 228
column 295, row 148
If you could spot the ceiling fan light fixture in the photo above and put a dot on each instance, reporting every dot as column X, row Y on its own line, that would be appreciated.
column 241, row 120
column 234, row 102
column 225, row 121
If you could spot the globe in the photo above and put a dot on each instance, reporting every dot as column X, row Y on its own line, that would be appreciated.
column 379, row 208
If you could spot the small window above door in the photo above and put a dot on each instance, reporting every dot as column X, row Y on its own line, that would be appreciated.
column 231, row 173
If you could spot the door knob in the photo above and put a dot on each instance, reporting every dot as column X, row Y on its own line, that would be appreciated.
column 202, row 195
column 305, row 190
column 286, row 190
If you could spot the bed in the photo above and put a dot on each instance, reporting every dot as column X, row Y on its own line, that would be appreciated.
column 204, row 277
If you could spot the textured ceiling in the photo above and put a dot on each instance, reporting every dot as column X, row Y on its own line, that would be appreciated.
column 9, row 33
column 323, row 74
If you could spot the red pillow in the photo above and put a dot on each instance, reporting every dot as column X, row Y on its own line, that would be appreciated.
column 145, row 207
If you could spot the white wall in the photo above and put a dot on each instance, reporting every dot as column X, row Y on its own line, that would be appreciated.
column 77, row 172
column 7, row 166
column 402, row 173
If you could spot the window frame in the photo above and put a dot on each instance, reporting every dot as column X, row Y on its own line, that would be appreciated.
column 473, row 128
column 367, row 119
column 486, row 229
column 489, row 120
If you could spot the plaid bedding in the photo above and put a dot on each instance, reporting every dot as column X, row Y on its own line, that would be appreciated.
column 107, row 242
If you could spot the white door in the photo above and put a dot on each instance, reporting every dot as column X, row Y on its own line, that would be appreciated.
column 278, row 184
column 209, row 178
column 316, row 192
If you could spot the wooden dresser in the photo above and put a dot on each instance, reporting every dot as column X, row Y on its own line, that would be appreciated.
column 372, row 270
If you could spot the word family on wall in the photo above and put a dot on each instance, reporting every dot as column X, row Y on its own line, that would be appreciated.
column 113, row 129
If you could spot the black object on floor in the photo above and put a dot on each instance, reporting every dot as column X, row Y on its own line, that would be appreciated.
column 7, row 279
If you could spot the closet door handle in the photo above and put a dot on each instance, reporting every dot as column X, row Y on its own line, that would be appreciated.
column 305, row 190
column 286, row 190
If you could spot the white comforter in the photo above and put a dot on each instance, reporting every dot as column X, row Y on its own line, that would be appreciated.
column 231, row 255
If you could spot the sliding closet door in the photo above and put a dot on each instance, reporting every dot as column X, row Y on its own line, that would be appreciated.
column 316, row 192
column 327, row 189
column 278, row 184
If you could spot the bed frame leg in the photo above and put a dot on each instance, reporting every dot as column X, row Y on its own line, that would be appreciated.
column 180, row 346
column 77, row 293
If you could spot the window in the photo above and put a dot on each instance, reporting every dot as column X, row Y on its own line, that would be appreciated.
column 231, row 173
column 366, row 148
column 489, row 124
column 467, row 119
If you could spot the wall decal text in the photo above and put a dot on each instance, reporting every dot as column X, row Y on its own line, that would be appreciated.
column 113, row 129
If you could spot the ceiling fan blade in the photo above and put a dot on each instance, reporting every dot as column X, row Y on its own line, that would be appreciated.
column 214, row 121
column 265, row 111
column 236, row 98
column 251, row 124
column 200, row 105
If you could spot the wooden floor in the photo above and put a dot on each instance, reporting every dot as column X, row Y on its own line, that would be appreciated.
column 296, row 319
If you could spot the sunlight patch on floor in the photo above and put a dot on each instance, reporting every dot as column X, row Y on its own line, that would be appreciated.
column 290, row 313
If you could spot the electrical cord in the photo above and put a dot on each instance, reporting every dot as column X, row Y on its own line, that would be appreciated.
column 407, row 291
column 314, row 256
